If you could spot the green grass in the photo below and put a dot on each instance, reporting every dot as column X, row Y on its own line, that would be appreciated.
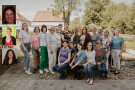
column 130, row 43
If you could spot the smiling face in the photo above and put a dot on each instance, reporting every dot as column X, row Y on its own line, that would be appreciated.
column 37, row 30
column 106, row 33
column 52, row 31
column 24, row 26
column 84, row 31
column 8, row 32
column 98, row 45
column 10, row 54
column 89, row 46
column 79, row 47
column 117, row 32
column 9, row 16
column 65, row 44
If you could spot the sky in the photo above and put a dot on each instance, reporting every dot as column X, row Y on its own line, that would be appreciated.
column 28, row 8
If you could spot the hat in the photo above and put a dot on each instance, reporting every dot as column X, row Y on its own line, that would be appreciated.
column 98, row 42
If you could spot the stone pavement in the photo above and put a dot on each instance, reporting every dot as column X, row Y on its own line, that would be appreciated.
column 28, row 84
column 15, row 79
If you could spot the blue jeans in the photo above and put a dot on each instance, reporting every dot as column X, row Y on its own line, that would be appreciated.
column 88, row 70
column 102, row 68
column 26, row 55
column 60, row 68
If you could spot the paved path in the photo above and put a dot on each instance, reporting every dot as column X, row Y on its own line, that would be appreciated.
column 28, row 84
column 15, row 79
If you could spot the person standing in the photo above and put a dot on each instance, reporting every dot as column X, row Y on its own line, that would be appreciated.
column 35, row 48
column 106, row 44
column 52, row 43
column 58, row 39
column 43, row 49
column 94, row 37
column 117, row 46
column 25, row 46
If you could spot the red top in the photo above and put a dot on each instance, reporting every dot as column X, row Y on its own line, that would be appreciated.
column 8, row 43
column 98, row 51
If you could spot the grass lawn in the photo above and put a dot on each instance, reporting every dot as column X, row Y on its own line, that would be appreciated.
column 130, row 43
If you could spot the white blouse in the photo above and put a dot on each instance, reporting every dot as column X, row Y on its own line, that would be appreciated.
column 91, row 56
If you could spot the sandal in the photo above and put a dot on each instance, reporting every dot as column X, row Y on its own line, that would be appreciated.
column 91, row 82
column 87, row 81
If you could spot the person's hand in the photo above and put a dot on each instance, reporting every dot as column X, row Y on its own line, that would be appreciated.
column 56, row 50
column 72, row 67
column 120, row 54
column 70, row 64
column 25, row 50
column 99, row 63
column 39, row 50
column 84, row 64
column 51, row 51
column 59, row 64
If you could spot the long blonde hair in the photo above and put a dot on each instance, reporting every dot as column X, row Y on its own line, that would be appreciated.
column 109, row 36
column 27, row 30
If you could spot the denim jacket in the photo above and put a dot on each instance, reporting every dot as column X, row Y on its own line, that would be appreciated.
column 81, row 57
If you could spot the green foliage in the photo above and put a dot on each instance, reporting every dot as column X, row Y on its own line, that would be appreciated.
column 107, row 14
column 75, row 23
column 13, row 30
column 66, row 7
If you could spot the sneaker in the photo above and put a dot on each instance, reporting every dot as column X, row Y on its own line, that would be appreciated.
column 28, row 71
column 41, row 71
column 25, row 68
column 52, row 72
column 46, row 70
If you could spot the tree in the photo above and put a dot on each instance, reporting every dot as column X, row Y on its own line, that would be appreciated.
column 75, row 23
column 93, row 11
column 66, row 7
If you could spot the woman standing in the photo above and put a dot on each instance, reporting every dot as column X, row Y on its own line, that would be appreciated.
column 106, row 42
column 35, row 48
column 25, row 46
column 116, row 50
column 43, row 49
column 90, row 63
column 58, row 39
column 94, row 37
column 63, row 60
column 8, row 39
column 75, row 38
column 51, row 39
column 85, row 38
column 65, row 35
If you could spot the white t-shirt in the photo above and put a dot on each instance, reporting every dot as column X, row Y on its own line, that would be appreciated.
column 43, row 38
column 52, row 40
column 24, row 36
column 91, row 56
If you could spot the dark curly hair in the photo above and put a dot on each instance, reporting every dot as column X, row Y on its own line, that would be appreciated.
column 4, row 11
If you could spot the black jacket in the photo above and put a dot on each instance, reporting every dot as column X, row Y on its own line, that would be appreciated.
column 12, row 38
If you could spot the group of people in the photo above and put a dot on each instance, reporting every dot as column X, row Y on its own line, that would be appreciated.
column 57, row 50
